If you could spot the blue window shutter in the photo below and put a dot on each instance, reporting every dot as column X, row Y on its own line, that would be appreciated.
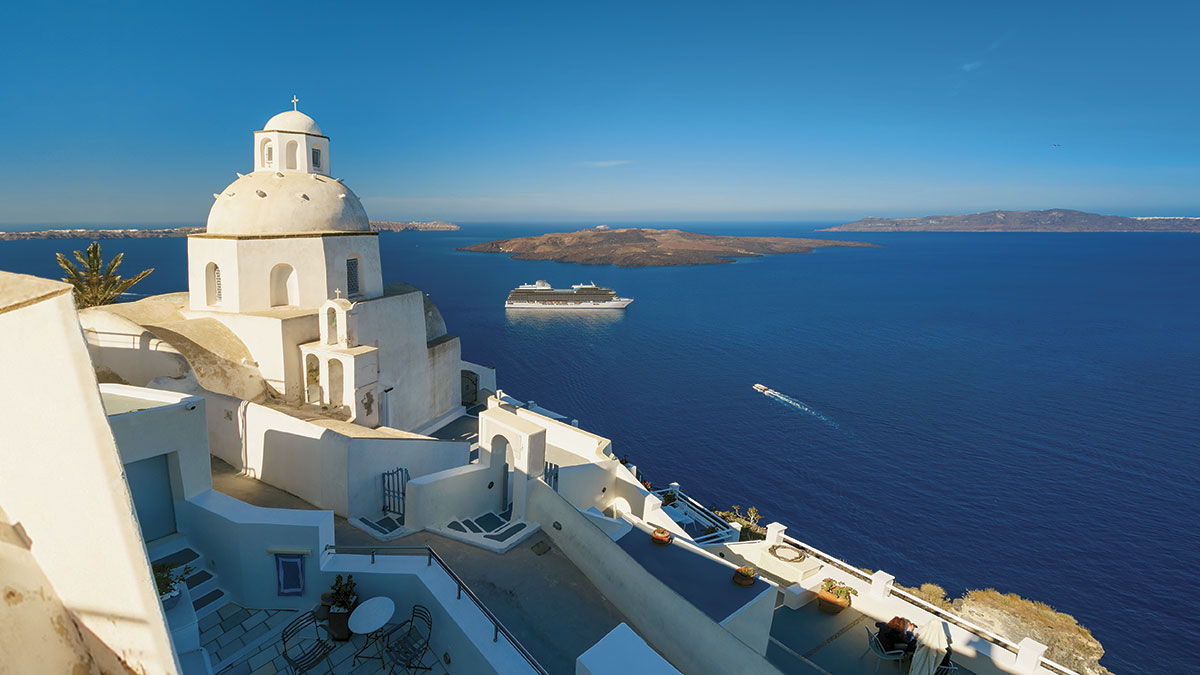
column 289, row 569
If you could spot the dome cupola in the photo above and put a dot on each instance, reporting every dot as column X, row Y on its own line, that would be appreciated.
column 290, row 190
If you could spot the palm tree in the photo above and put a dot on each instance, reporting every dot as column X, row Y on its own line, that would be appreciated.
column 96, row 283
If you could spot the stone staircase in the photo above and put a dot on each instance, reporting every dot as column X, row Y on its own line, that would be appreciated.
column 202, row 583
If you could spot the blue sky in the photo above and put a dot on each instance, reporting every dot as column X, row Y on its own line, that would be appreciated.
column 608, row 112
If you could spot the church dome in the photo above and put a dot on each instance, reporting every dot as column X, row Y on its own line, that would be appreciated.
column 273, row 203
column 293, row 121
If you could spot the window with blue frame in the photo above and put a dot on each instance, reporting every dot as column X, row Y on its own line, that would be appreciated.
column 289, row 568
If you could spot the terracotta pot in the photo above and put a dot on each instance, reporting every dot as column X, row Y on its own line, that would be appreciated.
column 830, row 603
column 746, row 580
column 661, row 536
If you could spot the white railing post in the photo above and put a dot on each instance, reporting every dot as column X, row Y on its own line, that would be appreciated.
column 674, row 488
column 1029, row 656
column 775, row 533
column 881, row 584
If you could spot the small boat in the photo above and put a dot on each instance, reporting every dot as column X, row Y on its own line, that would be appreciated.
column 761, row 388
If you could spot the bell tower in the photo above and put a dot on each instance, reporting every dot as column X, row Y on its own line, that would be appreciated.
column 291, row 141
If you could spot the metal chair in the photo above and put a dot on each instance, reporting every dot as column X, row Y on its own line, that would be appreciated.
column 407, row 644
column 304, row 653
column 946, row 670
column 876, row 647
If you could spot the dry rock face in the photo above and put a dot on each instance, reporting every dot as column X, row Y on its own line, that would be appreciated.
column 1016, row 618
column 644, row 247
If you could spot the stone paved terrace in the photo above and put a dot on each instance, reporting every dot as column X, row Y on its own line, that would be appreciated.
column 534, row 589
column 266, row 659
column 806, row 641
column 233, row 631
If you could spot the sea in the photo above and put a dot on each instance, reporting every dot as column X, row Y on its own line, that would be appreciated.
column 1004, row 410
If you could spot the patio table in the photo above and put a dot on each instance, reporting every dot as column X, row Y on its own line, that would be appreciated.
column 368, row 619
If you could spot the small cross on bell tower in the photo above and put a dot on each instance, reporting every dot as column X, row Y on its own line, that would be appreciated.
column 337, row 293
column 294, row 102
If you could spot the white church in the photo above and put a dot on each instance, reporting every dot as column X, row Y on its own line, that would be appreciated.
column 289, row 402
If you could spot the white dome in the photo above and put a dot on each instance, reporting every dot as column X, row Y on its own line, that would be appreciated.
column 270, row 202
column 293, row 121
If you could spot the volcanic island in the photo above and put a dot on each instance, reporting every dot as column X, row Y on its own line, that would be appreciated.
column 645, row 247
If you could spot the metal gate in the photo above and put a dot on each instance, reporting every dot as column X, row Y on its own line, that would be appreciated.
column 395, row 484
column 550, row 475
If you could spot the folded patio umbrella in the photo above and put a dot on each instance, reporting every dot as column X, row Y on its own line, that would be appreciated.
column 931, row 647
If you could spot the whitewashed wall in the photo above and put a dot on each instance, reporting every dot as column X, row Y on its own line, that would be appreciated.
column 62, row 477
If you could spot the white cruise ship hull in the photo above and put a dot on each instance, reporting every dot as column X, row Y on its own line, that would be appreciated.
column 618, row 303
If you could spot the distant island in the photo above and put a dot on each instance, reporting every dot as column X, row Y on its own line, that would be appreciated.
column 644, row 247
column 164, row 232
column 1053, row 220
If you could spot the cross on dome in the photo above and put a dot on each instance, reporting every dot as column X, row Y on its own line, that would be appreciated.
column 294, row 102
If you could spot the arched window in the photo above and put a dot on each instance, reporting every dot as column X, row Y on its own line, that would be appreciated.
column 268, row 155
column 352, row 277
column 212, row 284
column 293, row 154
column 285, row 289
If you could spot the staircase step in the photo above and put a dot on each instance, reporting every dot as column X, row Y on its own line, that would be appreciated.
column 198, row 578
column 501, row 536
column 373, row 526
column 183, row 557
column 206, row 600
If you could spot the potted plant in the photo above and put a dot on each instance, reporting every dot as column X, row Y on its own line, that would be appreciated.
column 343, row 602
column 834, row 596
column 167, row 577
column 745, row 576
column 661, row 536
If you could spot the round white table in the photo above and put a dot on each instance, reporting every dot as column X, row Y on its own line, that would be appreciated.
column 368, row 619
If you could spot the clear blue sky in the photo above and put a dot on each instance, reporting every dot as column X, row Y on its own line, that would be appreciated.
column 609, row 111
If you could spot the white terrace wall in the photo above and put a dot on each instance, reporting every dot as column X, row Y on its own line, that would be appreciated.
column 438, row 498
column 239, row 540
column 62, row 478
column 588, row 447
column 177, row 430
column 655, row 610
column 126, row 353
column 460, row 629
column 369, row 458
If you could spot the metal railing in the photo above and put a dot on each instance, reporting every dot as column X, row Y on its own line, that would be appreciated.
column 932, row 609
column 498, row 628
column 722, row 531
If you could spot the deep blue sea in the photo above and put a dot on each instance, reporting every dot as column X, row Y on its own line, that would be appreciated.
column 1017, row 411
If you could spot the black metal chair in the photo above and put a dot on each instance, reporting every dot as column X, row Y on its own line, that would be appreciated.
column 407, row 644
column 301, row 652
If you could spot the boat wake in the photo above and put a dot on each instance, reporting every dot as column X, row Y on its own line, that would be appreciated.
column 802, row 406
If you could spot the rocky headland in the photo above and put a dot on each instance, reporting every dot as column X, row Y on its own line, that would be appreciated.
column 163, row 232
column 1053, row 220
column 644, row 247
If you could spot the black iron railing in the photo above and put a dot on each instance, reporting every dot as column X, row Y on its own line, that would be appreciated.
column 498, row 628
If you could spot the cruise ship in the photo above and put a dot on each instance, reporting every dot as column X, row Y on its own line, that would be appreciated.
column 541, row 295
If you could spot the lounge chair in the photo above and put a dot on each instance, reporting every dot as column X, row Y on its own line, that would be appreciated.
column 303, row 653
column 407, row 644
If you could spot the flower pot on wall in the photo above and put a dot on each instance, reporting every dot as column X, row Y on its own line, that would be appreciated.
column 171, row 599
column 830, row 603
